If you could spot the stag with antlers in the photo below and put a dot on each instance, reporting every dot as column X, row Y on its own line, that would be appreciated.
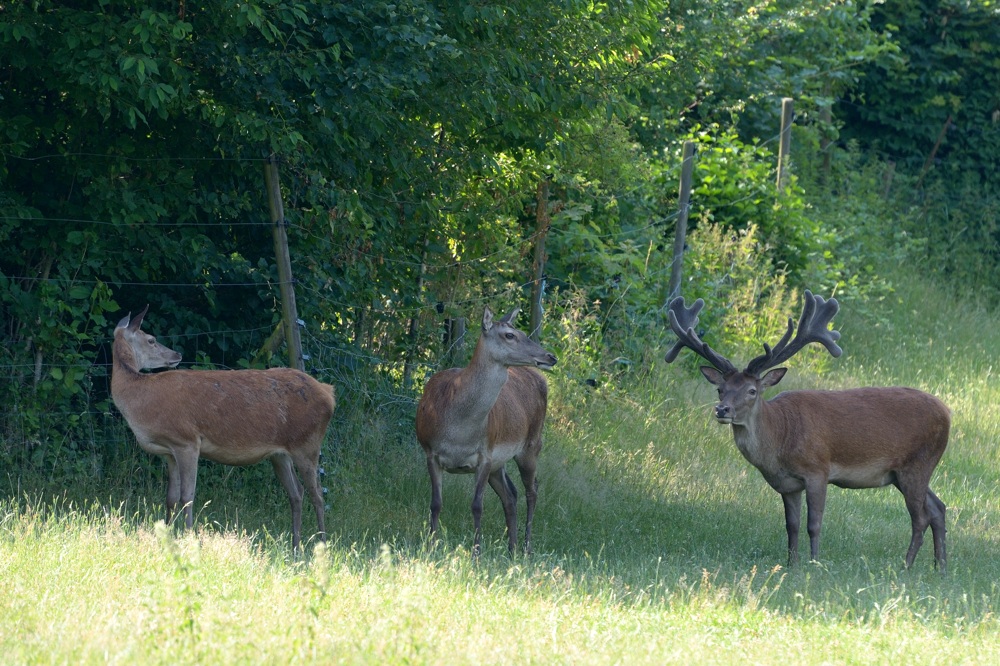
column 805, row 440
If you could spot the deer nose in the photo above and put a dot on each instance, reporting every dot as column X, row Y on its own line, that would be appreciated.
column 721, row 411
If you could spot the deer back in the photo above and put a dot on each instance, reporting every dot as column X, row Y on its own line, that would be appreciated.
column 885, row 427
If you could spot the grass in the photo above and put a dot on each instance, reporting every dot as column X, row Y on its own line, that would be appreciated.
column 655, row 542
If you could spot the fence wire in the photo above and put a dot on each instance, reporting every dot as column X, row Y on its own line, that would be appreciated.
column 371, row 377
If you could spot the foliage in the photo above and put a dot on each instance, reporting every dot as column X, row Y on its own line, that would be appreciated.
column 748, row 303
column 934, row 111
column 729, row 63
column 961, row 225
column 734, row 187
column 946, row 69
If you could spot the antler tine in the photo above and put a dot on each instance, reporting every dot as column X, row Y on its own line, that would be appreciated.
column 683, row 322
column 817, row 313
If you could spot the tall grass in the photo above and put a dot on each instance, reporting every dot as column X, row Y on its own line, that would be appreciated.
column 655, row 541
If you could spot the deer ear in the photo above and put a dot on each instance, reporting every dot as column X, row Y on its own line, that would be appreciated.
column 712, row 375
column 124, row 321
column 487, row 319
column 773, row 377
column 511, row 316
column 137, row 320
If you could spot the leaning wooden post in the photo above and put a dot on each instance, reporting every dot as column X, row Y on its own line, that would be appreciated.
column 785, row 144
column 680, row 232
column 930, row 158
column 887, row 176
column 289, row 312
column 825, row 142
column 542, row 221
column 414, row 325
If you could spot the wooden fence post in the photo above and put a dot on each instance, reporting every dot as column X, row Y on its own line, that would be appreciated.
column 825, row 144
column 289, row 312
column 542, row 221
column 887, row 176
column 454, row 341
column 930, row 158
column 785, row 145
column 413, row 327
column 680, row 232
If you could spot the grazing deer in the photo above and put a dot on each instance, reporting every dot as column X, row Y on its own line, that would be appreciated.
column 475, row 419
column 235, row 417
column 804, row 440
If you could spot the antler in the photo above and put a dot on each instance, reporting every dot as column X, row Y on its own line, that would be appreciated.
column 817, row 313
column 683, row 322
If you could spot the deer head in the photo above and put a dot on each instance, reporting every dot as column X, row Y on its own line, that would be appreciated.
column 147, row 353
column 510, row 347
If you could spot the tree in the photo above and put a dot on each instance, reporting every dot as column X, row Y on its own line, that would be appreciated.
column 942, row 85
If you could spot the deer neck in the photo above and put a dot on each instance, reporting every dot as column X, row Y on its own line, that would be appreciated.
column 756, row 436
column 124, row 368
column 481, row 381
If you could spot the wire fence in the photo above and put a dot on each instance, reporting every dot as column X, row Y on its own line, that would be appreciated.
column 371, row 375
column 368, row 379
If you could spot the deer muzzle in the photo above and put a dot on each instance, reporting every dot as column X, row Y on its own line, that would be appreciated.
column 723, row 413
column 547, row 362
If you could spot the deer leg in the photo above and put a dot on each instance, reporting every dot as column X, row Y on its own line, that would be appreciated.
column 434, row 470
column 530, row 481
column 815, row 503
column 187, row 467
column 308, row 470
column 173, row 486
column 936, row 510
column 282, row 464
column 916, row 496
column 793, row 517
column 505, row 489
column 482, row 474
column 917, row 504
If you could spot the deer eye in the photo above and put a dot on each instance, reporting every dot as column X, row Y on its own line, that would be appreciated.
column 752, row 392
column 509, row 335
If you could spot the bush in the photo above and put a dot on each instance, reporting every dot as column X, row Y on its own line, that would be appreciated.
column 734, row 187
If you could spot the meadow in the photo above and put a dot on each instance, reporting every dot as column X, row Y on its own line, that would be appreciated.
column 655, row 541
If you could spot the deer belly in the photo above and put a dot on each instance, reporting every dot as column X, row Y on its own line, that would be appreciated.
column 874, row 476
column 154, row 448
column 245, row 454
column 149, row 444
column 503, row 452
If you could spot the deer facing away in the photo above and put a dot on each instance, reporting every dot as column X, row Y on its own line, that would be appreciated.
column 475, row 419
column 804, row 440
column 234, row 417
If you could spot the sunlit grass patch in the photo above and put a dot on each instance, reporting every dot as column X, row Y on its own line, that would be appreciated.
column 655, row 542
